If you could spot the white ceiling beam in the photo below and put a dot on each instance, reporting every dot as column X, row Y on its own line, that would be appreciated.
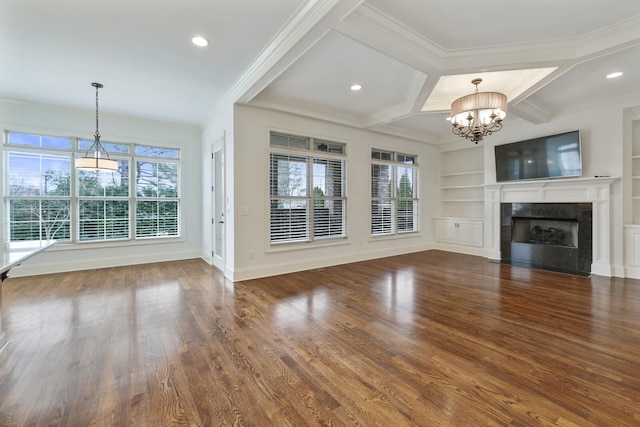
column 418, row 88
column 299, row 34
column 531, row 111
column 373, row 28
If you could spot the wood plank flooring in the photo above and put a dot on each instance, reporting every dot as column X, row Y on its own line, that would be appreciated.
column 424, row 339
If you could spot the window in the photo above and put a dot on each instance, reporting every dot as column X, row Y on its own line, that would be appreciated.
column 39, row 196
column 49, row 199
column 394, row 193
column 157, row 204
column 307, row 189
column 103, row 204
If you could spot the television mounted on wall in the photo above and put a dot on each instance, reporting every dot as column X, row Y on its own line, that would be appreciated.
column 553, row 156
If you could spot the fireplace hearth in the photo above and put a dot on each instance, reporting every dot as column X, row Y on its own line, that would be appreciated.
column 552, row 236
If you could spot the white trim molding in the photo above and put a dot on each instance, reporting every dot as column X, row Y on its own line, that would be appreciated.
column 563, row 190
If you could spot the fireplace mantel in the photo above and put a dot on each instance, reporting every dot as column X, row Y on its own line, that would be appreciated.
column 561, row 190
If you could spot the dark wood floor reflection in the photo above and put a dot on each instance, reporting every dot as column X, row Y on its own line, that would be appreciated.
column 430, row 338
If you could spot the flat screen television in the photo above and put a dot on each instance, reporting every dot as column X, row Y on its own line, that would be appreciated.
column 552, row 156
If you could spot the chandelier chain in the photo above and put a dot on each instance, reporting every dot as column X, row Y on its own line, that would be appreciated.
column 97, row 134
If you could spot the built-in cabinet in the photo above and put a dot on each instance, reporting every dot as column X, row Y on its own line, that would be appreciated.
column 459, row 231
column 635, row 171
column 459, row 227
column 632, row 178
column 632, row 250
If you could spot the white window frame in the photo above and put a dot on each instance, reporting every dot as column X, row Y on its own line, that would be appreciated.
column 394, row 161
column 310, row 150
column 75, row 198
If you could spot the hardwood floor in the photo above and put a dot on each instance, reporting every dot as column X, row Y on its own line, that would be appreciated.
column 430, row 338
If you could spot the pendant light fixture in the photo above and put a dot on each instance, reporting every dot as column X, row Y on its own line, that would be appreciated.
column 478, row 114
column 96, row 158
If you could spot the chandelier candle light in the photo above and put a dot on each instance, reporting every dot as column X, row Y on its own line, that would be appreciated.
column 96, row 158
column 479, row 114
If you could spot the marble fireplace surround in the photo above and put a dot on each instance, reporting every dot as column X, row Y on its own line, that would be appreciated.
column 562, row 190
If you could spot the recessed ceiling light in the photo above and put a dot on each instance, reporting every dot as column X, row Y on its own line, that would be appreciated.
column 614, row 75
column 200, row 41
column 356, row 87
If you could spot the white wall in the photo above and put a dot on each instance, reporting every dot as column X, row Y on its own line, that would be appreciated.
column 54, row 120
column 246, row 131
column 254, row 257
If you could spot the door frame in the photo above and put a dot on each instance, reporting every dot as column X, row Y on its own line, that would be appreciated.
column 218, row 208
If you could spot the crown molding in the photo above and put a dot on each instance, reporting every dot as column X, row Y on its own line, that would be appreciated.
column 414, row 92
column 459, row 144
column 413, row 135
column 385, row 116
column 610, row 39
column 371, row 27
column 375, row 29
column 299, row 108
column 334, row 116
column 312, row 21
column 633, row 112
column 532, row 112
column 616, row 37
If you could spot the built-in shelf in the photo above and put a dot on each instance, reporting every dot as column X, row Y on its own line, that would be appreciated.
column 569, row 182
column 475, row 218
column 632, row 206
column 635, row 171
column 463, row 173
column 462, row 186
column 462, row 183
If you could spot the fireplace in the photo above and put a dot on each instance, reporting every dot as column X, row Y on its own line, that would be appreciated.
column 561, row 232
column 552, row 236
column 595, row 192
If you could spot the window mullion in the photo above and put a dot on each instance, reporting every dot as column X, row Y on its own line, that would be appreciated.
column 310, row 198
column 133, row 199
column 75, row 204
column 394, row 200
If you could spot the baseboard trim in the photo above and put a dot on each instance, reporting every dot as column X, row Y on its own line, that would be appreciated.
column 284, row 268
column 467, row 250
column 51, row 268
column 632, row 272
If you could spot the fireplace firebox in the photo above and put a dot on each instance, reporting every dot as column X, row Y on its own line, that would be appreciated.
column 552, row 236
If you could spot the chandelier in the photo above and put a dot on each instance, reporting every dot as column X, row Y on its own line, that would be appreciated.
column 479, row 114
column 96, row 158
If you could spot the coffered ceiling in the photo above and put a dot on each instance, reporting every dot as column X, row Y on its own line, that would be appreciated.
column 411, row 57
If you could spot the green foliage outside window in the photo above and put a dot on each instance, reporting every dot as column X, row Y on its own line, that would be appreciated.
column 41, row 202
